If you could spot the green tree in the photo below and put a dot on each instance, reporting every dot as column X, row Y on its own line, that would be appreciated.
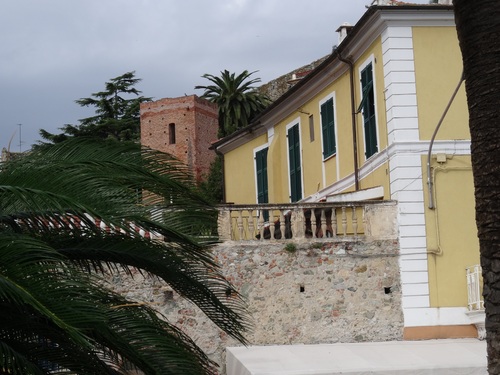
column 237, row 100
column 56, row 312
column 116, row 113
column 211, row 187
column 478, row 25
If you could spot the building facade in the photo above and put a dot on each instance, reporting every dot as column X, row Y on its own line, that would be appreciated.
column 362, row 125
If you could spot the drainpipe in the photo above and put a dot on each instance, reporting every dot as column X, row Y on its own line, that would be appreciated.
column 353, row 120
column 429, row 177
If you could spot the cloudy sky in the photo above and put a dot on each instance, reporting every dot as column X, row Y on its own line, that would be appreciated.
column 53, row 52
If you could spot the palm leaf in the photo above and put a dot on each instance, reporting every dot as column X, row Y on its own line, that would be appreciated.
column 74, row 211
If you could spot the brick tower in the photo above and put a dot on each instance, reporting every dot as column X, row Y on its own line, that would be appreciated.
column 183, row 127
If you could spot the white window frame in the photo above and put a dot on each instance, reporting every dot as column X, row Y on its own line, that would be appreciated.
column 255, row 150
column 288, row 126
column 370, row 60
column 332, row 95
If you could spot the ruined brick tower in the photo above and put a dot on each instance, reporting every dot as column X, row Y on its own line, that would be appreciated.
column 183, row 127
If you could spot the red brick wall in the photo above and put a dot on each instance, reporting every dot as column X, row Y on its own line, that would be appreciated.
column 195, row 122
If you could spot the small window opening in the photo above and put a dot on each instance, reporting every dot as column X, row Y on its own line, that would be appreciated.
column 387, row 290
column 302, row 289
column 311, row 128
column 171, row 133
column 169, row 295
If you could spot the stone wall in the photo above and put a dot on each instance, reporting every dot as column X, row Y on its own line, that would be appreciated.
column 278, row 86
column 297, row 292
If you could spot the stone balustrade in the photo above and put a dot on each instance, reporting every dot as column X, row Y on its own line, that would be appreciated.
column 302, row 221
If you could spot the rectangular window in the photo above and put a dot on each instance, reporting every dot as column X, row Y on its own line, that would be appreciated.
column 171, row 133
column 368, row 107
column 295, row 163
column 311, row 128
column 262, row 185
column 328, row 128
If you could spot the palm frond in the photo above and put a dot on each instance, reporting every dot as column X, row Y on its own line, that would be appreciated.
column 71, row 212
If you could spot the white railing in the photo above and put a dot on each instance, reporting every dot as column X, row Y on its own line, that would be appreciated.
column 298, row 221
column 474, row 288
column 71, row 221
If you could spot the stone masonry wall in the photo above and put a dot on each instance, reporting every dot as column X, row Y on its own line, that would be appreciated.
column 307, row 292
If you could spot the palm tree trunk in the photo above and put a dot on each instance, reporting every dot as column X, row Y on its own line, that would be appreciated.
column 478, row 28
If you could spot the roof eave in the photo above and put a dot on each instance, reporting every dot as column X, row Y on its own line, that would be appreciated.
column 258, row 121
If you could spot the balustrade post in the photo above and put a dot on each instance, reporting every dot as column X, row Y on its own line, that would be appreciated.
column 271, row 224
column 250, row 225
column 344, row 221
column 261, row 225
column 298, row 223
column 334, row 222
column 314, row 224
column 282, row 224
column 323, row 222
column 354, row 221
column 239, row 223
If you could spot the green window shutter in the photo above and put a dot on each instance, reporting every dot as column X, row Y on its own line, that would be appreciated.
column 294, row 159
column 328, row 128
column 262, row 185
column 368, row 106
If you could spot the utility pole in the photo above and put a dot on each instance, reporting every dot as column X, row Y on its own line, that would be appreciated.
column 20, row 139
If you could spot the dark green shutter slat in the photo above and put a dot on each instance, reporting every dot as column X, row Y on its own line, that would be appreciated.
column 294, row 157
column 262, row 182
column 368, row 104
column 262, row 186
column 328, row 128
column 324, row 126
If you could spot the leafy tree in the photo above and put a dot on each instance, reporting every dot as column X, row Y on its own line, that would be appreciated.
column 56, row 312
column 478, row 23
column 238, row 101
column 212, row 186
column 117, row 117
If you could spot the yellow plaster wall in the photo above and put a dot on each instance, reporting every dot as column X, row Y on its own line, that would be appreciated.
column 436, row 82
column 311, row 150
column 378, row 70
column 277, row 167
column 240, row 184
column 378, row 177
column 313, row 163
column 453, row 219
column 239, row 172
column 312, row 158
column 341, row 164
column 344, row 156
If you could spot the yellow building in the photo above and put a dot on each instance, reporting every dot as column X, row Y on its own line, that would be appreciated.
column 361, row 126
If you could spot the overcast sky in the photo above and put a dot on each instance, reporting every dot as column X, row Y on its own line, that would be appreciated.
column 53, row 52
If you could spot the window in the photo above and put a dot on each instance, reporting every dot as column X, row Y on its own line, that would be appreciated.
column 295, row 164
column 368, row 107
column 311, row 128
column 261, row 170
column 171, row 133
column 262, row 185
column 328, row 128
